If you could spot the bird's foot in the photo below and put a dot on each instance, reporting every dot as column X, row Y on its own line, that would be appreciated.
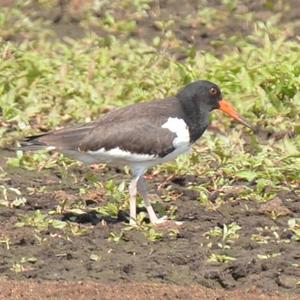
column 165, row 221
column 160, row 222
column 132, row 222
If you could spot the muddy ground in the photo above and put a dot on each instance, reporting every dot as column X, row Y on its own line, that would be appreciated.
column 131, row 291
column 174, row 267
column 179, row 259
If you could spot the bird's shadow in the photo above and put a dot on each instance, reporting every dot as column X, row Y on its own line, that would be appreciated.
column 94, row 218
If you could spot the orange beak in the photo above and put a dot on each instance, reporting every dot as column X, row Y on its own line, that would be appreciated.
column 229, row 110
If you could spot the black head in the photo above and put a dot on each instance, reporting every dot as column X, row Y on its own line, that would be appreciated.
column 204, row 96
column 205, row 93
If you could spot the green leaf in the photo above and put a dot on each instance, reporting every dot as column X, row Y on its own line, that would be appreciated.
column 95, row 257
column 246, row 174
column 57, row 224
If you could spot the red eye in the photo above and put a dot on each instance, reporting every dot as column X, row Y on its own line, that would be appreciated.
column 213, row 91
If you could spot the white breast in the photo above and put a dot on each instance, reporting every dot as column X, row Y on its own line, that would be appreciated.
column 182, row 139
column 179, row 127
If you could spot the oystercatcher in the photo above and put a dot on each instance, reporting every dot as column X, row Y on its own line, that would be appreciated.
column 141, row 135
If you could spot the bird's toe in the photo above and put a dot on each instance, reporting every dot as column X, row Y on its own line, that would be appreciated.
column 164, row 221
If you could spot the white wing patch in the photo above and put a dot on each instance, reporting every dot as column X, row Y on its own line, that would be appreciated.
column 179, row 127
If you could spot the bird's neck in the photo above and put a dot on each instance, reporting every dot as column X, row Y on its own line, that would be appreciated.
column 196, row 117
column 198, row 126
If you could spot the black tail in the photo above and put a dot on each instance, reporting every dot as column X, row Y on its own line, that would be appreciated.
column 33, row 143
column 62, row 139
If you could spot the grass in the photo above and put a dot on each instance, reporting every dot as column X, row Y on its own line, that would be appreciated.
column 46, row 83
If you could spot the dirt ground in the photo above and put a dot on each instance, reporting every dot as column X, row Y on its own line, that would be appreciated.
column 134, row 268
column 134, row 260
column 11, row 290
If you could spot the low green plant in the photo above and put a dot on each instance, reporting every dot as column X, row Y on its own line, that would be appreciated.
column 227, row 234
column 220, row 258
column 294, row 226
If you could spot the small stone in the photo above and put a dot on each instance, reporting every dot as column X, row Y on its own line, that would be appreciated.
column 287, row 282
column 276, row 206
column 128, row 268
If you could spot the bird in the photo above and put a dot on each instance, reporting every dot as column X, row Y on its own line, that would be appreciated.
column 141, row 136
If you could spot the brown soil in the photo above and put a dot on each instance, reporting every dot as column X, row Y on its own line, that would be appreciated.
column 180, row 260
column 31, row 290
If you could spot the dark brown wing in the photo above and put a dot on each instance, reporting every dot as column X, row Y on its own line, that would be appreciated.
column 142, row 136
